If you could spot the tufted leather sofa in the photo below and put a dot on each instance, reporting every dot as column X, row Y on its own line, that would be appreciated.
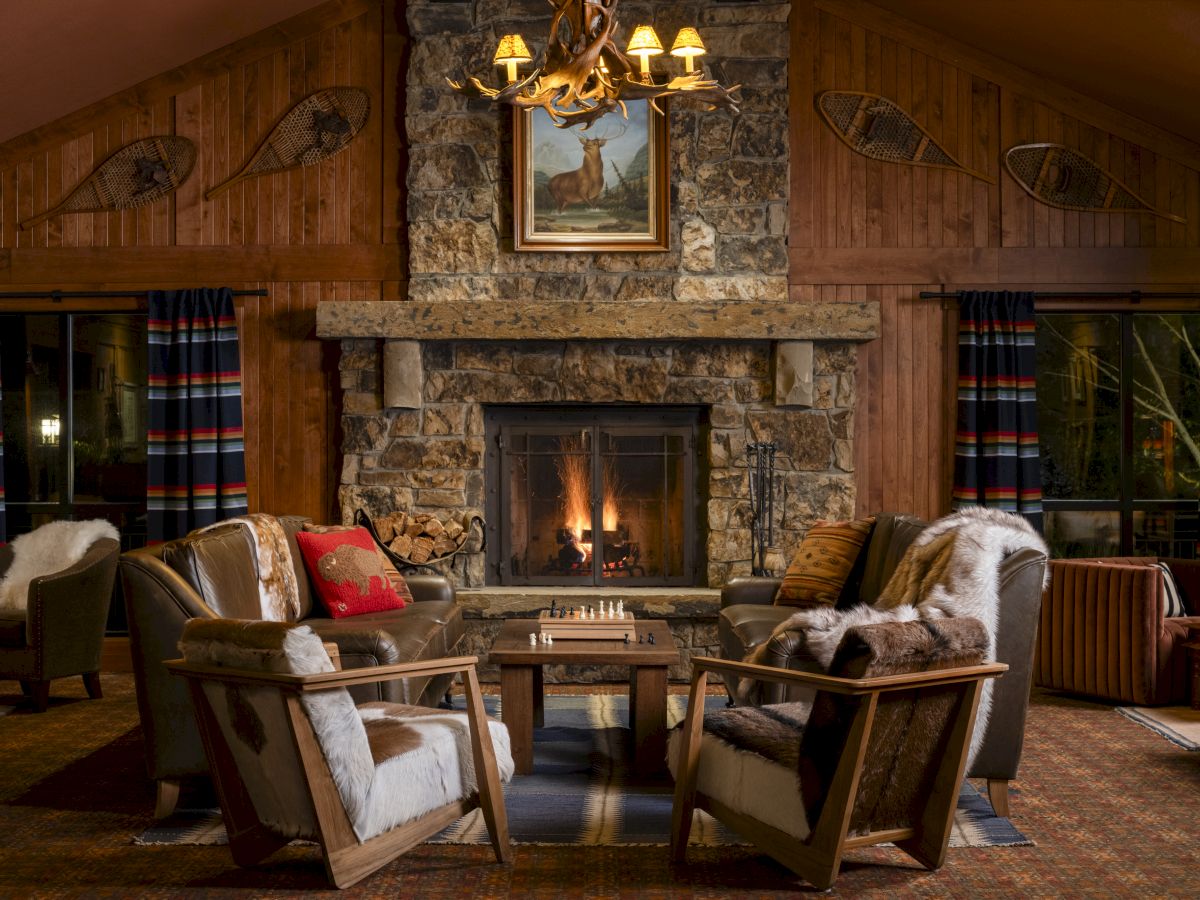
column 1104, row 634
column 748, row 617
column 213, row 574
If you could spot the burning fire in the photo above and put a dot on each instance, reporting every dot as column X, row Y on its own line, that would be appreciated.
column 574, row 471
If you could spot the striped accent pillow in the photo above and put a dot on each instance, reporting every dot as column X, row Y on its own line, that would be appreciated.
column 1172, row 603
column 823, row 562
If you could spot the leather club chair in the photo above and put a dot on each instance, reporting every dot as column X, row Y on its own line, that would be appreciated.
column 1104, row 635
column 61, row 631
column 748, row 617
column 213, row 575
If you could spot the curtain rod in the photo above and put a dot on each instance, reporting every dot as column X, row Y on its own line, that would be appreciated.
column 1135, row 296
column 75, row 295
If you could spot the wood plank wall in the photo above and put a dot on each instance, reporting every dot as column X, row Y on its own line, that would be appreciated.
column 306, row 235
column 860, row 229
column 863, row 229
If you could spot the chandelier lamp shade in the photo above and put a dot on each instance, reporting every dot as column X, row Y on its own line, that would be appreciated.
column 583, row 74
column 510, row 53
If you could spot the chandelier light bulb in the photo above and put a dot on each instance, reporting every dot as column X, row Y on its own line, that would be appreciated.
column 644, row 44
column 688, row 45
column 510, row 51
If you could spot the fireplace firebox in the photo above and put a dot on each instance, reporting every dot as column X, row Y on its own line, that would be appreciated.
column 590, row 496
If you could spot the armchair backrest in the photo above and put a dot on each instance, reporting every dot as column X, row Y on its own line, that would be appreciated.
column 219, row 564
column 911, row 732
column 890, row 538
column 255, row 723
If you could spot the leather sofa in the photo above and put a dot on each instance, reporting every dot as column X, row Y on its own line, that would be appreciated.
column 748, row 617
column 214, row 574
column 1104, row 635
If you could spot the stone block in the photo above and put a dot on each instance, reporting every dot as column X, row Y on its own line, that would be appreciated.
column 438, row 453
column 721, row 360
column 453, row 246
column 803, row 437
column 698, row 240
column 794, row 373
column 363, row 434
column 442, row 498
column 405, row 423
column 403, row 374
column 445, row 167
column 707, row 288
column 447, row 419
column 753, row 253
column 742, row 182
column 485, row 357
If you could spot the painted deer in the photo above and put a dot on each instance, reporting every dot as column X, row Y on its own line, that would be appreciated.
column 585, row 184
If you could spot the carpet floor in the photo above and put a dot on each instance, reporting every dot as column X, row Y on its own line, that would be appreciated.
column 1111, row 805
column 582, row 791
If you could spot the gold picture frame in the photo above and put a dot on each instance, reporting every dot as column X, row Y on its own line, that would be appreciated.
column 558, row 204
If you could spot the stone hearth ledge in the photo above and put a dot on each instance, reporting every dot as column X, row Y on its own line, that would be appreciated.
column 734, row 320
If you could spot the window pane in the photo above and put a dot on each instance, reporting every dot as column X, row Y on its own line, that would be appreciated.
column 1166, row 413
column 1083, row 534
column 33, row 413
column 1172, row 534
column 109, row 409
column 1079, row 412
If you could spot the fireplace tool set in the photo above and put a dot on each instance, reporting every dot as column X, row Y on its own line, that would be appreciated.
column 760, row 466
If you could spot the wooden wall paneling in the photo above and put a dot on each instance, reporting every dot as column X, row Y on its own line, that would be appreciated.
column 873, row 174
column 858, row 162
column 189, row 112
column 935, row 178
column 803, row 195
column 843, row 185
column 828, row 161
column 920, row 175
column 903, row 175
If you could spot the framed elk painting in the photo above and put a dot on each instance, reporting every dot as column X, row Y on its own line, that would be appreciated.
column 605, row 188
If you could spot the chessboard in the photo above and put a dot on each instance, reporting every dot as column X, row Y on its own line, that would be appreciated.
column 598, row 629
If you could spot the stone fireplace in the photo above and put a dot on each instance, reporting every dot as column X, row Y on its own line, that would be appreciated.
column 704, row 327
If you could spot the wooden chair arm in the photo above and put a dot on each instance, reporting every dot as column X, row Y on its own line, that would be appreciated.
column 834, row 684
column 323, row 681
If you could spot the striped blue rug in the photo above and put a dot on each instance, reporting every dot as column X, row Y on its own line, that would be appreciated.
column 581, row 791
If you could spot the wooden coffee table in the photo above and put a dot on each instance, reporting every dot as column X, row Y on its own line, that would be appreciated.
column 521, row 684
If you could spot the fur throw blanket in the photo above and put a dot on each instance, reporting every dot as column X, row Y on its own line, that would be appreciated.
column 278, row 590
column 51, row 548
column 951, row 570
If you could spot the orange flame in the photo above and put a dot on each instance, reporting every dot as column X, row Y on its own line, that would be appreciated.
column 574, row 471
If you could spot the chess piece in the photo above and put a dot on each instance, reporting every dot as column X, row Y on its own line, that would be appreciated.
column 553, row 603
column 641, row 640
column 650, row 639
column 620, row 609
column 627, row 637
column 532, row 639
column 550, row 639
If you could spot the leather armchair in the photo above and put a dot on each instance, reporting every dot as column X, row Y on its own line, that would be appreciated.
column 213, row 575
column 748, row 617
column 1103, row 633
column 61, row 631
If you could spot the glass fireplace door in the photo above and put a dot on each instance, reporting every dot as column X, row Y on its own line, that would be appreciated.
column 599, row 497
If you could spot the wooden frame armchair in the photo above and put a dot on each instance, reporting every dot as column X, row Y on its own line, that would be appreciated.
column 325, row 817
column 854, row 721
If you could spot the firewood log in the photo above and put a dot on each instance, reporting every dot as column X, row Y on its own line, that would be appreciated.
column 422, row 549
column 413, row 528
column 422, row 517
column 384, row 528
column 453, row 529
column 402, row 545
column 461, row 539
column 434, row 527
column 443, row 545
column 399, row 522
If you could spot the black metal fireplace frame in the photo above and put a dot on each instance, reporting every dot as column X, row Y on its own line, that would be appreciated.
column 501, row 422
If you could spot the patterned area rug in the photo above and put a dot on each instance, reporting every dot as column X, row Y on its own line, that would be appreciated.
column 1178, row 724
column 581, row 792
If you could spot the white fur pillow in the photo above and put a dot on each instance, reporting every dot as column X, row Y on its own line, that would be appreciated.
column 51, row 548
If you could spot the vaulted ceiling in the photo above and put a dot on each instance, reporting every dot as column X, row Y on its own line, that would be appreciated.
column 61, row 55
column 1140, row 56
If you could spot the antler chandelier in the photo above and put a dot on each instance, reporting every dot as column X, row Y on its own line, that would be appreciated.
column 583, row 75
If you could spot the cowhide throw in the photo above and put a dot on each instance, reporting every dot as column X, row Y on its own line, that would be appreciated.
column 278, row 590
column 951, row 570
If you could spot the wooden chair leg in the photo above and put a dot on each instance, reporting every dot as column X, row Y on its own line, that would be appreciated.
column 997, row 789
column 39, row 693
column 91, row 681
column 487, row 774
column 684, row 805
column 24, row 688
column 166, row 797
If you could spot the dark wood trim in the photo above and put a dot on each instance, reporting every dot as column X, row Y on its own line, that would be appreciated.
column 116, row 656
column 1002, row 266
column 82, row 267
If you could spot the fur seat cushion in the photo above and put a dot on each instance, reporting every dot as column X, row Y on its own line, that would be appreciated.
column 46, row 550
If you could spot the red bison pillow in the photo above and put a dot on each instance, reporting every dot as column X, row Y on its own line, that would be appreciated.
column 346, row 572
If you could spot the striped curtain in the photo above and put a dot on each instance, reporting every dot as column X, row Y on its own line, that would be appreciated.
column 196, row 472
column 996, row 445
